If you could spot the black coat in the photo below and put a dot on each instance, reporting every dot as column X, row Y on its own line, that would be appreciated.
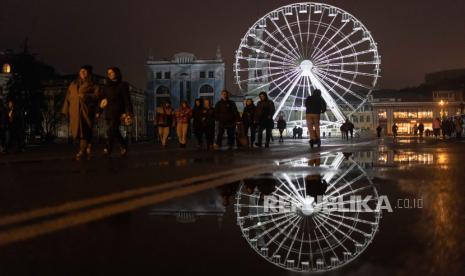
column 3, row 118
column 315, row 105
column 207, row 118
column 119, row 100
column 248, row 115
column 282, row 124
column 197, row 118
column 264, row 113
column 226, row 113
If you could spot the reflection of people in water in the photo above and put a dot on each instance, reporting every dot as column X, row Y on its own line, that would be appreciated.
column 315, row 186
column 266, row 185
column 227, row 191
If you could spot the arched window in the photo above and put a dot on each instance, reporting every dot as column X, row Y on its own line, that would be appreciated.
column 163, row 91
column 206, row 90
column 6, row 68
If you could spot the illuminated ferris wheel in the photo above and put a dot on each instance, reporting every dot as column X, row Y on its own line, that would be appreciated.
column 301, row 47
column 288, row 227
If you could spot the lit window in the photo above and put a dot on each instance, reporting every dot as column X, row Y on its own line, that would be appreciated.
column 382, row 115
column 6, row 68
column 401, row 115
column 412, row 115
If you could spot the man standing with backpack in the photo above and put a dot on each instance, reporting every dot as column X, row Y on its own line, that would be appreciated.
column 315, row 105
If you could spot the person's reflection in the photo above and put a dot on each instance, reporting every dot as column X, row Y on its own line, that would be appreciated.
column 265, row 185
column 347, row 155
column 227, row 191
column 315, row 162
column 315, row 185
column 258, row 188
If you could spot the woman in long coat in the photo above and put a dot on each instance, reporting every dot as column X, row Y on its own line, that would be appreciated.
column 80, row 107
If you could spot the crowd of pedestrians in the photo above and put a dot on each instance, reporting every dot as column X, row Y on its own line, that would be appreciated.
column 86, row 101
column 450, row 127
column 250, row 128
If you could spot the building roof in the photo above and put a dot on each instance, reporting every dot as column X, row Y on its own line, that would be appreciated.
column 185, row 58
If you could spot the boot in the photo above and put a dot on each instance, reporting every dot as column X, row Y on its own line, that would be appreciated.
column 312, row 143
column 78, row 156
column 89, row 151
column 318, row 142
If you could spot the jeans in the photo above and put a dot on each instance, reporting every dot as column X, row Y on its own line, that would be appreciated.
column 164, row 132
column 313, row 125
column 181, row 130
column 113, row 133
column 230, row 130
column 267, row 130
column 253, row 132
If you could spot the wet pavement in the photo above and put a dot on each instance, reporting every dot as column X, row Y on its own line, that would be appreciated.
column 357, row 208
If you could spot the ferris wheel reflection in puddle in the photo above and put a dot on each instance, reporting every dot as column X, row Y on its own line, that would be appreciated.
column 307, row 234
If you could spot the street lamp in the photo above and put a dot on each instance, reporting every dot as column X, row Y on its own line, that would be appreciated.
column 442, row 113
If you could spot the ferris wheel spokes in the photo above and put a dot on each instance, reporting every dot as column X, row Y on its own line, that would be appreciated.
column 290, row 53
column 286, row 96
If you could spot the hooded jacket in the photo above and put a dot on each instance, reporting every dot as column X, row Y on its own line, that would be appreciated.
column 315, row 104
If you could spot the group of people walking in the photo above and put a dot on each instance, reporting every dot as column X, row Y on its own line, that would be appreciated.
column 85, row 101
column 224, row 116
column 447, row 127
column 244, row 129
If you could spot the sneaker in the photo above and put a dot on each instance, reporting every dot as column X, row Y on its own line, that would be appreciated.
column 89, row 152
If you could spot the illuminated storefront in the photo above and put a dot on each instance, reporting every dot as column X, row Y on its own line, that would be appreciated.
column 408, row 113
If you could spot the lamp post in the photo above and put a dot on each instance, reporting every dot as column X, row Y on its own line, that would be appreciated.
column 442, row 113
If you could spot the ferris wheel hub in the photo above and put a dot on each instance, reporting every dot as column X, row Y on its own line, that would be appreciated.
column 306, row 67
column 307, row 208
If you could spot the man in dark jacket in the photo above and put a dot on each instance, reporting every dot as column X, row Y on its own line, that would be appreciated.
column 264, row 118
column 227, row 116
column 315, row 106
column 116, row 102
column 15, row 121
column 350, row 129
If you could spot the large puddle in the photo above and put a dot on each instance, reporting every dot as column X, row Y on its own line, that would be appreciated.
column 375, row 212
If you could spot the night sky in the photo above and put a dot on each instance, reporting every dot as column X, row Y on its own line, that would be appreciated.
column 415, row 36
